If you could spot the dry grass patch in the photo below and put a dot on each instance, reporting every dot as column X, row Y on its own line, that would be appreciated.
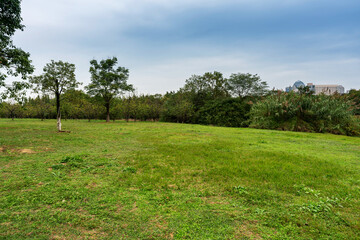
column 215, row 200
column 247, row 230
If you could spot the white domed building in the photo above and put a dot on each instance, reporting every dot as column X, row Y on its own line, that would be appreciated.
column 298, row 84
column 327, row 89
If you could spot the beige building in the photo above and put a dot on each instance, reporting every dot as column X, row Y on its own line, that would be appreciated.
column 326, row 89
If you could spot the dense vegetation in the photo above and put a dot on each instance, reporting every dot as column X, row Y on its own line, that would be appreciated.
column 273, row 110
column 305, row 112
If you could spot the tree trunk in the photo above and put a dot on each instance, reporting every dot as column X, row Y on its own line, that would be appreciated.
column 107, row 105
column 58, row 116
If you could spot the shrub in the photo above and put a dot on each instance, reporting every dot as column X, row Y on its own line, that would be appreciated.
column 231, row 112
column 305, row 112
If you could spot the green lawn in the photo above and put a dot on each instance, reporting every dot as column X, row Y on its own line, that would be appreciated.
column 172, row 181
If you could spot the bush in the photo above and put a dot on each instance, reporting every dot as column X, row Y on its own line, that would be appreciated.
column 305, row 112
column 177, row 107
column 232, row 112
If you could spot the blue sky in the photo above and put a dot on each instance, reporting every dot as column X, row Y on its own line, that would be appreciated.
column 164, row 42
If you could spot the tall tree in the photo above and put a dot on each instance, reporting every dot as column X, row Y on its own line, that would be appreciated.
column 209, row 86
column 354, row 97
column 57, row 78
column 108, row 81
column 246, row 84
column 12, row 59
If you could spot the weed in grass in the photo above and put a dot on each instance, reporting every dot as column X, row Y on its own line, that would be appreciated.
column 72, row 159
column 320, row 206
column 240, row 190
column 302, row 189
column 129, row 170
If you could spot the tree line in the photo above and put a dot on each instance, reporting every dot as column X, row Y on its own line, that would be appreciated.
column 104, row 96
column 242, row 100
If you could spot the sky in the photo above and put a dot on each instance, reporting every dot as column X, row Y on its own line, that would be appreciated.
column 164, row 42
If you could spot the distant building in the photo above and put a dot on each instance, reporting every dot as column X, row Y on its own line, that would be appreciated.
column 298, row 84
column 327, row 89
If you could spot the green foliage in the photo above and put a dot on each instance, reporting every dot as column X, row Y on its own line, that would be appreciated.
column 304, row 112
column 178, row 107
column 320, row 206
column 11, row 110
column 58, row 77
column 72, row 159
column 354, row 97
column 240, row 190
column 129, row 169
column 12, row 59
column 205, row 99
column 207, row 87
column 40, row 107
column 79, row 105
column 231, row 112
column 246, row 84
column 16, row 92
column 108, row 81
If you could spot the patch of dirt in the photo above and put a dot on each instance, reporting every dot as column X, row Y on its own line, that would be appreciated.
column 246, row 231
column 56, row 237
column 6, row 223
column 5, row 149
column 92, row 185
column 134, row 207
column 173, row 186
column 46, row 149
column 14, row 150
column 27, row 151
column 215, row 200
column 27, row 190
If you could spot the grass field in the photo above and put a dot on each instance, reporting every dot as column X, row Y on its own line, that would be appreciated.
column 172, row 181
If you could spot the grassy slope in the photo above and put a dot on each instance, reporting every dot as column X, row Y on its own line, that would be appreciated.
column 162, row 180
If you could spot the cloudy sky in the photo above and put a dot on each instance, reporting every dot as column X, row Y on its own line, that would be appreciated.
column 164, row 42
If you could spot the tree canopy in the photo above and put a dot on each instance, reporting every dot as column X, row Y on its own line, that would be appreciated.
column 57, row 78
column 108, row 81
column 207, row 87
column 246, row 84
column 13, row 60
